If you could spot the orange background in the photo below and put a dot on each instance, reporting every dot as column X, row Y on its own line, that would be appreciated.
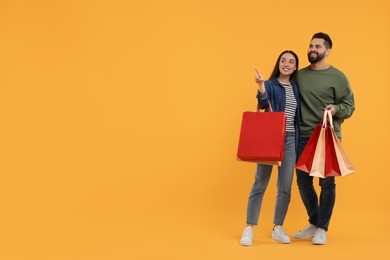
column 120, row 122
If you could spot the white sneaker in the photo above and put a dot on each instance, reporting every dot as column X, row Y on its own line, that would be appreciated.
column 279, row 235
column 308, row 232
column 319, row 237
column 247, row 237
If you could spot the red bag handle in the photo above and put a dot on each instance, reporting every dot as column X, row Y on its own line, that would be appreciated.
column 269, row 106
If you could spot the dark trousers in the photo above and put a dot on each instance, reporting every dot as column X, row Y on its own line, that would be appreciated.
column 319, row 212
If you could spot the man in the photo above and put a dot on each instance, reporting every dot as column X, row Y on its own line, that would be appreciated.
column 321, row 86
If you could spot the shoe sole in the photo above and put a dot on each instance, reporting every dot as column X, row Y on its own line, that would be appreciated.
column 303, row 237
column 244, row 244
column 318, row 243
column 282, row 242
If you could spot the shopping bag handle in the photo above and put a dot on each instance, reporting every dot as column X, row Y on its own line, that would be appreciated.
column 269, row 106
column 327, row 117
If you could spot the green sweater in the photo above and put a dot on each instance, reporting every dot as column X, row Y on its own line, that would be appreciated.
column 319, row 88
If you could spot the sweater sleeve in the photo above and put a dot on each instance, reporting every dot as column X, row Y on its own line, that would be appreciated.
column 345, row 105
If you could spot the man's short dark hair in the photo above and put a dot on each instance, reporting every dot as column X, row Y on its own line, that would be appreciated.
column 325, row 37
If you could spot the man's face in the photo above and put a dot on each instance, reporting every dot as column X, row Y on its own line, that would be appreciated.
column 317, row 50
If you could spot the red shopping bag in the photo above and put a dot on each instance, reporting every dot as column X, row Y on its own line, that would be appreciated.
column 262, row 137
column 331, row 163
column 306, row 159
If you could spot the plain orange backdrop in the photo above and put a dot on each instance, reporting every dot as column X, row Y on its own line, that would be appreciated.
column 120, row 122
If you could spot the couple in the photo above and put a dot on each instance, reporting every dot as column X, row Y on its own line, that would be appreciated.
column 321, row 86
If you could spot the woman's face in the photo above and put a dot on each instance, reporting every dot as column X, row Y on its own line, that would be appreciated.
column 287, row 64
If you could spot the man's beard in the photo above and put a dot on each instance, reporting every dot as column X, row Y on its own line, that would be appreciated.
column 315, row 59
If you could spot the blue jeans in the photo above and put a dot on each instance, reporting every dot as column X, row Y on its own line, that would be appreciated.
column 319, row 212
column 285, row 176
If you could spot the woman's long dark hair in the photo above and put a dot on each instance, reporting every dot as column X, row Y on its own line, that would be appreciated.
column 275, row 73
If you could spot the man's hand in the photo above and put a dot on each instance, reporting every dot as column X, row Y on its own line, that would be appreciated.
column 331, row 108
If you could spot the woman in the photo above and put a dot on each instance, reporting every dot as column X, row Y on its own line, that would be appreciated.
column 281, row 92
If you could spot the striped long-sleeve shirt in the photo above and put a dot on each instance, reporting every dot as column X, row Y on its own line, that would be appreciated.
column 291, row 106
